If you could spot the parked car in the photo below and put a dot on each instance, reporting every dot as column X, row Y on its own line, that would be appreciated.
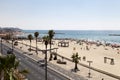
column 41, row 62
column 9, row 52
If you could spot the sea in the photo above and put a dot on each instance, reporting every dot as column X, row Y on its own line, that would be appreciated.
column 109, row 36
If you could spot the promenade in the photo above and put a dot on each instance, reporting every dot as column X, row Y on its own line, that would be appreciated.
column 52, row 66
column 66, row 69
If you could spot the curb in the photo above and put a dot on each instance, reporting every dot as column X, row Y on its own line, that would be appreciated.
column 60, row 73
column 53, row 70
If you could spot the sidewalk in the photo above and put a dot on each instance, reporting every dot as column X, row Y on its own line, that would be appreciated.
column 66, row 72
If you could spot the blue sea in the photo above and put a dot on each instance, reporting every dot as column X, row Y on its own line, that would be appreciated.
column 94, row 35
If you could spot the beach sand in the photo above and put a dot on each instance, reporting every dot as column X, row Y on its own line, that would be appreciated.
column 95, row 54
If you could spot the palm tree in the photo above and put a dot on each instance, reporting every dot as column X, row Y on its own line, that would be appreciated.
column 8, row 68
column 75, row 58
column 30, row 37
column 36, row 34
column 46, row 40
column 51, row 35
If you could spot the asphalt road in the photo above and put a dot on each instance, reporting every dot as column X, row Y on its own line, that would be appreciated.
column 35, row 71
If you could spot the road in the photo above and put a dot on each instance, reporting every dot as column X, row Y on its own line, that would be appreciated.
column 35, row 71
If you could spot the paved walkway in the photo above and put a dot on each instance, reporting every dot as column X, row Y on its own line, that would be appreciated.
column 68, row 73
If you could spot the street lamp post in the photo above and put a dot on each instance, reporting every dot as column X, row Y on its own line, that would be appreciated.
column 1, row 46
column 22, row 45
column 89, row 74
column 12, row 45
column 46, row 43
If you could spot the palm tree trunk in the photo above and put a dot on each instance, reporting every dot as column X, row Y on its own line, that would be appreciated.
column 36, row 45
column 76, row 68
column 55, row 58
column 46, row 63
column 30, row 45
column 50, row 52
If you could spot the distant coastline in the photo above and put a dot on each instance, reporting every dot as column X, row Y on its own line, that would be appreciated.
column 114, row 34
column 90, row 35
column 7, row 31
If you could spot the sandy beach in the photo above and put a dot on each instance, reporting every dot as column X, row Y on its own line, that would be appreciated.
column 95, row 54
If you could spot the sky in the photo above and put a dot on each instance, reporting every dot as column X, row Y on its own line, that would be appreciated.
column 60, row 14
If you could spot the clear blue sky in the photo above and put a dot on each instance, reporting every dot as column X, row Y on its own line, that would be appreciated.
column 60, row 14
